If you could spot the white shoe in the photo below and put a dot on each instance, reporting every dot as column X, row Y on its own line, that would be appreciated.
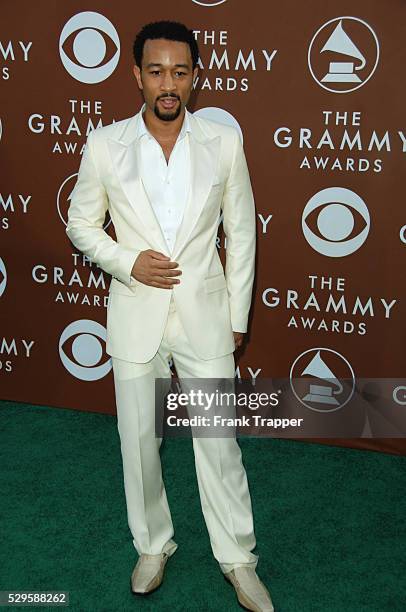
column 148, row 573
column 251, row 592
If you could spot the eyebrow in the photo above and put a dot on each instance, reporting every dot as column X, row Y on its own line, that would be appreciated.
column 176, row 65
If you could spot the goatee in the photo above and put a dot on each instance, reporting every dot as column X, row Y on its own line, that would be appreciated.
column 167, row 116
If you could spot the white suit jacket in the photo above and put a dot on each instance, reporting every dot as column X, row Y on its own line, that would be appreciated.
column 211, row 302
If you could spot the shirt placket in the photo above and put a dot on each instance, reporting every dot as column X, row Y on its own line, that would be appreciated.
column 169, row 195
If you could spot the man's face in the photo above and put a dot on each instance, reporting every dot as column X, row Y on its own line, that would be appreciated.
column 166, row 77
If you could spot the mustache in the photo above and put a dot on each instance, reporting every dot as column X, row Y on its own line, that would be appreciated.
column 168, row 95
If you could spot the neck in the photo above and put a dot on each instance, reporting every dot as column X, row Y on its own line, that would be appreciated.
column 163, row 130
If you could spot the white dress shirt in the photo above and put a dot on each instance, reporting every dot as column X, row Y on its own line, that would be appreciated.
column 167, row 184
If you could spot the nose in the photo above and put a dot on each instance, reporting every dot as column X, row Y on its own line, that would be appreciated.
column 168, row 83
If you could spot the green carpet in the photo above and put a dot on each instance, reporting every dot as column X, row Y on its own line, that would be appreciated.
column 330, row 522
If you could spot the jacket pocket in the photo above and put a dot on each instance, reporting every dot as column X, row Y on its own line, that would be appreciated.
column 215, row 283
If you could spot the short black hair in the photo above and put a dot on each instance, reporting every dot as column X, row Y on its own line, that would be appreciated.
column 169, row 30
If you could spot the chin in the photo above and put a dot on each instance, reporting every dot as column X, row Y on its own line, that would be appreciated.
column 168, row 116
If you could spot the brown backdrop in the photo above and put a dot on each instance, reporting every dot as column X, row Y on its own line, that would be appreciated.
column 318, row 92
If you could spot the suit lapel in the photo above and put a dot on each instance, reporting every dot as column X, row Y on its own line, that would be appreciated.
column 126, row 161
column 204, row 156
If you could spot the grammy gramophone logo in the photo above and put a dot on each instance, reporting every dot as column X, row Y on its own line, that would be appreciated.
column 343, row 54
column 322, row 380
column 64, row 196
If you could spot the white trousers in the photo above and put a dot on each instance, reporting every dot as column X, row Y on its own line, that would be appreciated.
column 221, row 477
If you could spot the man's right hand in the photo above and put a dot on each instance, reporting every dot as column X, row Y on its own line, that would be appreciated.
column 153, row 268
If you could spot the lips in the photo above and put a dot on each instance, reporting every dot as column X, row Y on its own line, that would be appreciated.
column 168, row 103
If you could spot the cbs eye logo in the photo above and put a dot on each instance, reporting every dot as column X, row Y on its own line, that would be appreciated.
column 89, row 38
column 209, row 2
column 335, row 222
column 3, row 277
column 219, row 115
column 86, row 349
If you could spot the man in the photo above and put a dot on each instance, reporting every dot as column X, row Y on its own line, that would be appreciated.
column 164, row 175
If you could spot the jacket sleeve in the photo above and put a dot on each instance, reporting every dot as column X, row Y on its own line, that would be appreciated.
column 239, row 222
column 86, row 214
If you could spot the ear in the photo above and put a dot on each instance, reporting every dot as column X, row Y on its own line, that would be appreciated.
column 137, row 74
column 195, row 72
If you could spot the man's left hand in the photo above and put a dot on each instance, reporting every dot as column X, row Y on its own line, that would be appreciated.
column 238, row 339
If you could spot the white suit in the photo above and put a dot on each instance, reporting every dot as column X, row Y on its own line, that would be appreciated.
column 210, row 304
column 193, row 322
